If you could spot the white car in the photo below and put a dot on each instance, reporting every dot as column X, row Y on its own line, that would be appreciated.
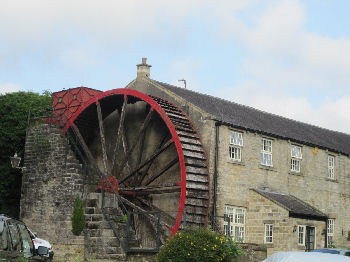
column 38, row 242
column 305, row 257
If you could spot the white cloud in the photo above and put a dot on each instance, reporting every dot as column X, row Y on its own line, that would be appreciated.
column 9, row 88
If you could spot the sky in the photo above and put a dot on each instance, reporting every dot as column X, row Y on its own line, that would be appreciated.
column 287, row 57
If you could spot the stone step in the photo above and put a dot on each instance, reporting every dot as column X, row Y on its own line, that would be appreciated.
column 93, row 217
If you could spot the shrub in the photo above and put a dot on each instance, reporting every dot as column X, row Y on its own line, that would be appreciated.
column 198, row 244
column 78, row 219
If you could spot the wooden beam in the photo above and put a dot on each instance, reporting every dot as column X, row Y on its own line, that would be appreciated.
column 102, row 135
column 121, row 123
column 161, row 172
column 130, row 151
column 151, row 158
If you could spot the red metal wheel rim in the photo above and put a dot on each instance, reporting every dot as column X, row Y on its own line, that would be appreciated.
column 175, row 138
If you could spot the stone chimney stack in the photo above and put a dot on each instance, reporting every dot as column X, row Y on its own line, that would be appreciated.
column 143, row 69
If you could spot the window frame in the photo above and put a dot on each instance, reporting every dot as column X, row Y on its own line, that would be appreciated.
column 266, row 152
column 268, row 229
column 303, row 235
column 236, row 145
column 331, row 167
column 236, row 223
column 330, row 230
column 295, row 162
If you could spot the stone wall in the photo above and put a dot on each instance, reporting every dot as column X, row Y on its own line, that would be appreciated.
column 51, row 180
column 311, row 185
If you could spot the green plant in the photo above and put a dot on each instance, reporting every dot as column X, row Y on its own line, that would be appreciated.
column 198, row 244
column 331, row 245
column 121, row 219
column 78, row 219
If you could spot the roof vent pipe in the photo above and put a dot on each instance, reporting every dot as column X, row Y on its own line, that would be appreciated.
column 143, row 69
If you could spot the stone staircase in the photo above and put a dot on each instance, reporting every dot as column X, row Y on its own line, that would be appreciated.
column 101, row 242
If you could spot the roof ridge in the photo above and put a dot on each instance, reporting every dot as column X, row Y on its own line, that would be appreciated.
column 256, row 109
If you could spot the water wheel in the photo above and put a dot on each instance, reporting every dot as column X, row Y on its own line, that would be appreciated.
column 152, row 149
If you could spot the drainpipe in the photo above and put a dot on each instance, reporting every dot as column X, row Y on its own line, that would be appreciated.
column 217, row 126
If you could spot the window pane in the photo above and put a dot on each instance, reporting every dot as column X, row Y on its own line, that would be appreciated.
column 296, row 151
column 236, row 138
column 235, row 153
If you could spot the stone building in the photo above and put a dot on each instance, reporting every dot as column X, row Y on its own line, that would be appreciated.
column 272, row 181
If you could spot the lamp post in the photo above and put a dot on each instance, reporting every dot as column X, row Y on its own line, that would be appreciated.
column 15, row 161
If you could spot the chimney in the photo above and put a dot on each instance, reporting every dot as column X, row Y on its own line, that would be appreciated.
column 143, row 69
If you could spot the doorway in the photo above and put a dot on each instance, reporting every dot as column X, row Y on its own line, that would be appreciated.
column 310, row 238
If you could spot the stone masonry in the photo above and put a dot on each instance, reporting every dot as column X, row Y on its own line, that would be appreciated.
column 51, row 181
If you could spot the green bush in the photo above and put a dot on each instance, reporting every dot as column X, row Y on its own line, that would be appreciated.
column 198, row 244
column 78, row 219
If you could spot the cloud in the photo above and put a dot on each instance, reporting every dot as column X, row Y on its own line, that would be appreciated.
column 9, row 88
column 283, row 54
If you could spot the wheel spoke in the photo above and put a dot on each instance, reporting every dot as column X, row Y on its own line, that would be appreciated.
column 121, row 124
column 166, row 168
column 145, row 172
column 147, row 190
column 143, row 128
column 151, row 158
column 83, row 144
column 102, row 135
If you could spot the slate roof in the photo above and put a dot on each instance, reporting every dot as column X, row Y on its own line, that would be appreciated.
column 237, row 115
column 295, row 206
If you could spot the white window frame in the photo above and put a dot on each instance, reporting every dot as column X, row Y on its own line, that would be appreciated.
column 268, row 237
column 301, row 235
column 331, row 166
column 236, row 144
column 296, row 157
column 266, row 152
column 330, row 231
column 237, row 222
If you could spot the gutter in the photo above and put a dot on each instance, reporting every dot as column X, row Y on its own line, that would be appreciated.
column 217, row 134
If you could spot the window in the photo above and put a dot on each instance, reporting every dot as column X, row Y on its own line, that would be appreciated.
column 301, row 235
column 330, row 232
column 266, row 152
column 268, row 233
column 331, row 167
column 236, row 144
column 234, row 225
column 296, row 158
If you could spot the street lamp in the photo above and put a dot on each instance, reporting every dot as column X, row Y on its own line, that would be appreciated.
column 15, row 161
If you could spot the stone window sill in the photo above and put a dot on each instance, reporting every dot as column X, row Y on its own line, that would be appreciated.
column 332, row 180
column 269, row 245
column 295, row 173
column 270, row 168
column 236, row 162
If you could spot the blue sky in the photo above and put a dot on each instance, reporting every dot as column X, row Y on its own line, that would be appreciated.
column 286, row 57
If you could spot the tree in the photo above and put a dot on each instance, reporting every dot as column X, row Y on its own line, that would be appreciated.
column 14, row 111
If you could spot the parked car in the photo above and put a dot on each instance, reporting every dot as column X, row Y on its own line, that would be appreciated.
column 305, row 257
column 343, row 252
column 15, row 240
column 38, row 242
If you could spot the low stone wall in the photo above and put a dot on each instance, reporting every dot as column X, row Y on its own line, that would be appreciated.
column 254, row 253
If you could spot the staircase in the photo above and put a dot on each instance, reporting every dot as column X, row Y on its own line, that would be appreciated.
column 101, row 242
